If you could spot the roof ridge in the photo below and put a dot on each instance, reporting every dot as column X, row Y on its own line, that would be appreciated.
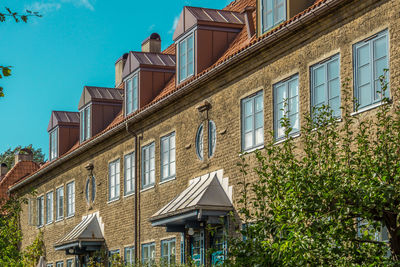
column 216, row 9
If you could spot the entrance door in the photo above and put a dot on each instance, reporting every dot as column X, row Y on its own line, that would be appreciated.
column 218, row 245
column 197, row 247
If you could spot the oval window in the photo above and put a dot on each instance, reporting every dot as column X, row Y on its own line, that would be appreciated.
column 90, row 190
column 199, row 142
column 212, row 138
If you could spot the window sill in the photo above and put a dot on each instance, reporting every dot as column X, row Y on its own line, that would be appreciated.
column 40, row 226
column 129, row 194
column 252, row 149
column 167, row 180
column 59, row 220
column 112, row 200
column 367, row 108
column 147, row 188
column 49, row 223
column 70, row 216
column 284, row 139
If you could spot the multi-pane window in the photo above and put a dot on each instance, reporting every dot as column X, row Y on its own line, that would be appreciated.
column 129, row 174
column 186, row 57
column 212, row 138
column 49, row 265
column 148, row 254
column 113, row 257
column 59, row 264
column 148, row 165
column 70, row 198
column 40, row 211
column 129, row 256
column 286, row 105
column 53, row 144
column 325, row 85
column 85, row 123
column 69, row 262
column 200, row 142
column 370, row 61
column 273, row 12
column 131, row 98
column 114, row 170
column 49, row 207
column 168, row 157
column 168, row 252
column 60, row 203
column 253, row 121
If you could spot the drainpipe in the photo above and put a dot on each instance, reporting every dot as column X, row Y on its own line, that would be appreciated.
column 137, row 192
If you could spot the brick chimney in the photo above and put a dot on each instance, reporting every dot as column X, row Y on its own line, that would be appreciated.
column 152, row 44
column 3, row 170
column 119, row 67
column 24, row 154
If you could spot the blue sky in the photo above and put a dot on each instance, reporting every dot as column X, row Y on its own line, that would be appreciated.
column 74, row 44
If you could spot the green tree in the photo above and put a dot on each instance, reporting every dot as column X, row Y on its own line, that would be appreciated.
column 7, row 156
column 325, row 199
column 17, row 17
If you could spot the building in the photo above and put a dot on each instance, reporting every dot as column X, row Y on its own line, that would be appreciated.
column 144, row 167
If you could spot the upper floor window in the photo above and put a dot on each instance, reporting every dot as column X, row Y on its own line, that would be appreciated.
column 325, row 85
column 148, row 165
column 370, row 61
column 168, row 252
column 70, row 198
column 131, row 97
column 168, row 157
column 273, row 12
column 212, row 138
column 53, row 144
column 129, row 174
column 186, row 57
column 60, row 203
column 40, row 211
column 85, row 123
column 59, row 264
column 286, row 105
column 49, row 207
column 129, row 256
column 252, row 121
column 114, row 170
column 69, row 262
column 148, row 254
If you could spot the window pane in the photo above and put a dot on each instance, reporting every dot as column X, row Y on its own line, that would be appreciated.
column 333, row 69
column 363, row 55
column 281, row 93
column 259, row 120
column 259, row 136
column 248, row 124
column 319, row 75
column 248, row 140
column 248, row 108
column 380, row 48
column 364, row 75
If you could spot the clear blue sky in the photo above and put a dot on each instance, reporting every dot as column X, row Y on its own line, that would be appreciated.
column 74, row 44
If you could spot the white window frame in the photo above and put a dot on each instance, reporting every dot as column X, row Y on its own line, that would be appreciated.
column 324, row 64
column 132, row 94
column 184, row 40
column 129, row 173
column 114, row 180
column 40, row 211
column 148, row 165
column 166, row 154
column 60, row 203
column 374, row 79
column 287, row 106
column 49, row 207
column 53, row 144
column 253, row 131
column 276, row 19
column 70, row 199
column 85, row 123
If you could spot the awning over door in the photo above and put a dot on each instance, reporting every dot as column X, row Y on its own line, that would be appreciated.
column 207, row 198
column 85, row 237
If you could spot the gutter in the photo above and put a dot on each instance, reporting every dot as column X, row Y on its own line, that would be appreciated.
column 290, row 27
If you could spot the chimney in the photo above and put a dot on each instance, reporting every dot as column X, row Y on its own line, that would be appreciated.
column 119, row 68
column 152, row 44
column 24, row 154
column 248, row 16
column 3, row 170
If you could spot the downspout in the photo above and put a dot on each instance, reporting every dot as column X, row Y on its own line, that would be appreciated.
column 137, row 192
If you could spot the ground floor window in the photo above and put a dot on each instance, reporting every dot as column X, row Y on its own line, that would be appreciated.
column 197, row 247
column 168, row 252
column 129, row 256
column 148, row 254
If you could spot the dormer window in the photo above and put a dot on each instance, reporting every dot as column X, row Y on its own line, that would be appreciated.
column 186, row 57
column 85, row 123
column 273, row 12
column 53, row 144
column 131, row 96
